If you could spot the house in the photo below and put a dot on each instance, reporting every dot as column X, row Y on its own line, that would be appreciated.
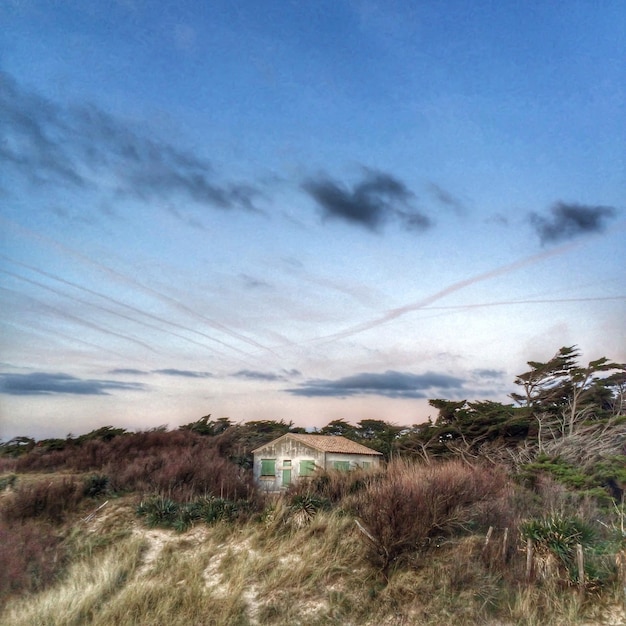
column 293, row 456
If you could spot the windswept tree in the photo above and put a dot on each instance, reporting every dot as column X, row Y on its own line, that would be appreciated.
column 561, row 388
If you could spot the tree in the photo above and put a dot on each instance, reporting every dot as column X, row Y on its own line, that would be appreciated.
column 562, row 390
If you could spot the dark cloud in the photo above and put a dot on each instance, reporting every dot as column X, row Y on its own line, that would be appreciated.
column 445, row 198
column 488, row 373
column 43, row 383
column 79, row 146
column 570, row 220
column 266, row 376
column 372, row 201
column 389, row 384
column 251, row 282
column 183, row 373
column 129, row 372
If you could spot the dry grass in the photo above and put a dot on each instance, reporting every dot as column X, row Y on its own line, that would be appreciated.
column 89, row 585
column 272, row 570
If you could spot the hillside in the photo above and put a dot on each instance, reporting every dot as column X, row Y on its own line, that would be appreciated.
column 491, row 514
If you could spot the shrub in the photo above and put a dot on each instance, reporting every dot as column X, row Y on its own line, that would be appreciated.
column 413, row 507
column 166, row 513
column 95, row 485
column 42, row 499
column 31, row 557
column 8, row 481
column 555, row 540
column 303, row 507
column 334, row 486
column 159, row 511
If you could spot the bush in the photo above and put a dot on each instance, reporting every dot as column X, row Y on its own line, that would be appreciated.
column 42, row 499
column 95, row 485
column 8, row 481
column 31, row 557
column 166, row 513
column 555, row 540
column 413, row 507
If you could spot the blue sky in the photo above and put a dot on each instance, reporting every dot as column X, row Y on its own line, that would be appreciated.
column 302, row 210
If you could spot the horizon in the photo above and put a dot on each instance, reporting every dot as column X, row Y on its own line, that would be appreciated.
column 302, row 212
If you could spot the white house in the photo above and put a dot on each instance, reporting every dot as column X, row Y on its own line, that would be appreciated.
column 292, row 456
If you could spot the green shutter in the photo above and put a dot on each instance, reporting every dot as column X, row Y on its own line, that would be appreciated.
column 268, row 467
column 342, row 466
column 365, row 464
column 307, row 468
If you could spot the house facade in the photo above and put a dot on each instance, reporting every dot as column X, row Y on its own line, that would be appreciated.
column 293, row 456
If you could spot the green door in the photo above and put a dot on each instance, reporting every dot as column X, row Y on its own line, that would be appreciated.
column 286, row 473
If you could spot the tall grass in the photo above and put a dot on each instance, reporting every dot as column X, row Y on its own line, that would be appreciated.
column 86, row 589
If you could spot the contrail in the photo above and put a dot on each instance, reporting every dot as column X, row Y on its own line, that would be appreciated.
column 462, row 284
column 68, row 337
column 127, row 280
column 118, row 302
column 83, row 322
column 507, row 302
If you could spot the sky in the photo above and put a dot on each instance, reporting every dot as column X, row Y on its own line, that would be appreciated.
column 302, row 210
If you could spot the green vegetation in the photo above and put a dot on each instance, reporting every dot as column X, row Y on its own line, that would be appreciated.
column 492, row 514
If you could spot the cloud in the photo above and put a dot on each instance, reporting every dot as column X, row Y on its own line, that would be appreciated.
column 266, row 376
column 183, row 373
column 129, row 371
column 376, row 198
column 390, row 384
column 489, row 373
column 85, row 147
column 570, row 220
column 445, row 198
column 43, row 383
column 393, row 314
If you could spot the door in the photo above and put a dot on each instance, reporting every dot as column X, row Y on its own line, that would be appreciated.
column 286, row 473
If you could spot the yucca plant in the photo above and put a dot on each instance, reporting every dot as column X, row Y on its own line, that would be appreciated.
column 304, row 506
column 555, row 539
column 159, row 511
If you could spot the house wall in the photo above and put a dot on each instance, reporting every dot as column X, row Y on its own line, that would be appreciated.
column 286, row 450
column 296, row 452
column 356, row 460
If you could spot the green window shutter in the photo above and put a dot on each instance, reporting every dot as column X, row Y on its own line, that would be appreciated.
column 307, row 468
column 268, row 467
column 342, row 466
column 365, row 464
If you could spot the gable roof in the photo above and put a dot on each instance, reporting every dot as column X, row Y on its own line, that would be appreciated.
column 326, row 443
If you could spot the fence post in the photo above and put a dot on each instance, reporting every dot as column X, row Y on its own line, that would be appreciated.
column 529, row 558
column 580, row 561
column 505, row 539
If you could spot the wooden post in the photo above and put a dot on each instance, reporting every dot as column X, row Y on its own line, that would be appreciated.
column 580, row 561
column 505, row 540
column 488, row 537
column 529, row 558
column 620, row 562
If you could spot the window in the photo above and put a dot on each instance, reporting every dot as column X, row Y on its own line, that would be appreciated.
column 287, row 463
column 268, row 467
column 342, row 466
column 307, row 468
column 365, row 464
